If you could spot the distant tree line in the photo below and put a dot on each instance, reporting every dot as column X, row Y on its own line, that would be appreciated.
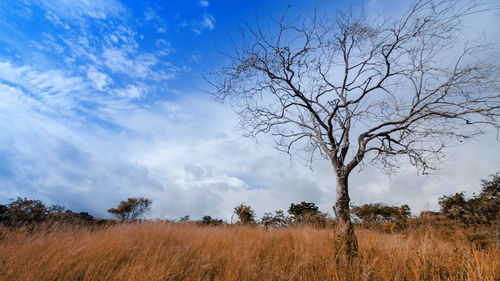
column 302, row 213
column 481, row 209
column 307, row 213
column 29, row 212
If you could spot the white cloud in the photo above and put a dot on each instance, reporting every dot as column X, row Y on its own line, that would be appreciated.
column 186, row 156
column 196, row 57
column 203, row 3
column 156, row 20
column 477, row 26
column 117, row 60
column 183, row 155
column 99, row 80
column 150, row 14
column 56, row 20
column 77, row 9
column 142, row 66
column 206, row 22
column 131, row 91
column 163, row 45
column 52, row 87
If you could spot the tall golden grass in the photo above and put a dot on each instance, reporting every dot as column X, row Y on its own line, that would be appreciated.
column 176, row 251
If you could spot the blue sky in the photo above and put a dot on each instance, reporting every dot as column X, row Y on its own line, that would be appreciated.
column 102, row 100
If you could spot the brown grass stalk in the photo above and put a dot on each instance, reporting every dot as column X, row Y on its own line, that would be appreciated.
column 177, row 251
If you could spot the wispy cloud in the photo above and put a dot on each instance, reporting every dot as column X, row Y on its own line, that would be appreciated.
column 203, row 3
column 88, row 118
column 131, row 91
column 206, row 22
column 53, row 88
column 99, row 80
column 152, row 16
column 182, row 154
column 56, row 20
column 79, row 9
column 176, row 153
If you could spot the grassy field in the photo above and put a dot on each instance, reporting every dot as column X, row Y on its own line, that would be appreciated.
column 176, row 251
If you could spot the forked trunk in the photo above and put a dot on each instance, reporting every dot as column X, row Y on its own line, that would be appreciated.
column 343, row 214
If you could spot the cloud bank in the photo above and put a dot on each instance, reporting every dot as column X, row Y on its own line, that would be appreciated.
column 89, row 117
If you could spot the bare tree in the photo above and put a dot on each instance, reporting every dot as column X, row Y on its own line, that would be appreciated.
column 355, row 90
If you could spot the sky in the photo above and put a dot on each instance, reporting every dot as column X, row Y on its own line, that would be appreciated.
column 104, row 100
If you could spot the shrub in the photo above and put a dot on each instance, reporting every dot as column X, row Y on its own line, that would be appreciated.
column 184, row 219
column 245, row 214
column 131, row 209
column 479, row 209
column 378, row 214
column 208, row 220
column 277, row 220
column 307, row 213
column 25, row 211
column 299, row 211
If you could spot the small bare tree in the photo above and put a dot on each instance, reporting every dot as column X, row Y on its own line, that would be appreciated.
column 356, row 90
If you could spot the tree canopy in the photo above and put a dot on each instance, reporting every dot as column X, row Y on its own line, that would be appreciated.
column 245, row 213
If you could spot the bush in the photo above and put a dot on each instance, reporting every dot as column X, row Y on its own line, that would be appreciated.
column 24, row 211
column 307, row 213
column 381, row 215
column 277, row 220
column 245, row 214
column 82, row 218
column 299, row 211
column 185, row 219
column 479, row 209
column 208, row 220
column 318, row 220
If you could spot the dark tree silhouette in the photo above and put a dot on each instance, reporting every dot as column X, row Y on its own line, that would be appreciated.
column 23, row 211
column 208, row 220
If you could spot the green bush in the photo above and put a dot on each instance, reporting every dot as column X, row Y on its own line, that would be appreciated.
column 277, row 220
column 208, row 220
column 479, row 209
column 245, row 214
column 381, row 215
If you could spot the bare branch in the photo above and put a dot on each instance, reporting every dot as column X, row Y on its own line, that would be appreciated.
column 348, row 88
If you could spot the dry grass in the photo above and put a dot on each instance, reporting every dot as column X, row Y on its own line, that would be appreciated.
column 168, row 251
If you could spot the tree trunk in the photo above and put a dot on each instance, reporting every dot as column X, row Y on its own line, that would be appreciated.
column 342, row 211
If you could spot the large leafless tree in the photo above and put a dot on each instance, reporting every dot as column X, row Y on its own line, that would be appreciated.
column 356, row 90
